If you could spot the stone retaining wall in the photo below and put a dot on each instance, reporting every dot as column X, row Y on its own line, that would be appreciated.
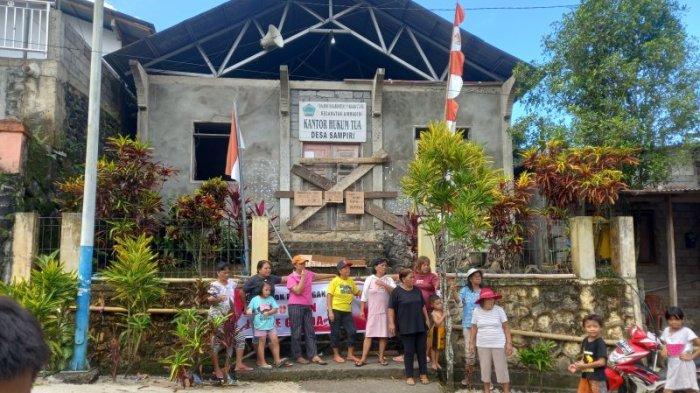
column 558, row 306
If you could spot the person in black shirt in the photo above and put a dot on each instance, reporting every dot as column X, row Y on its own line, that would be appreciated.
column 253, row 285
column 593, row 357
column 408, row 318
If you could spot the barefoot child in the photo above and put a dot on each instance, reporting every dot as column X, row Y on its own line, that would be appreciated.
column 594, row 357
column 341, row 291
column 678, row 349
column 264, row 307
column 436, row 335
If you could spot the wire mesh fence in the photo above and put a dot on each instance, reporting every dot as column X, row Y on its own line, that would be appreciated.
column 188, row 250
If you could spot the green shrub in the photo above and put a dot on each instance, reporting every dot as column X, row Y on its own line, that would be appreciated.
column 48, row 295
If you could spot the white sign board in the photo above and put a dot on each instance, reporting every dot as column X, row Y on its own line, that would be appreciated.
column 332, row 121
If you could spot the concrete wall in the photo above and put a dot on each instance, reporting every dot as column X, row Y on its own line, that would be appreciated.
column 176, row 103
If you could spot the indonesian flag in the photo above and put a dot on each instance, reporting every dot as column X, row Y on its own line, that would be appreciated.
column 233, row 162
column 456, row 66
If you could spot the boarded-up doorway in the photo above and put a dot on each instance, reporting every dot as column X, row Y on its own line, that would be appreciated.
column 332, row 217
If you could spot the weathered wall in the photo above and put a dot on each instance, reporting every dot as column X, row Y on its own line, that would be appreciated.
column 176, row 103
column 558, row 306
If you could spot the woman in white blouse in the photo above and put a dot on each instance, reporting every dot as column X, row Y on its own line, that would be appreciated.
column 375, row 297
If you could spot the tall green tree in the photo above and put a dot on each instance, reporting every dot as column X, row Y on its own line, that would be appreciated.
column 619, row 73
column 454, row 186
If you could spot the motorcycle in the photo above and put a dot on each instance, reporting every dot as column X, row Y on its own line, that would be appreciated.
column 625, row 371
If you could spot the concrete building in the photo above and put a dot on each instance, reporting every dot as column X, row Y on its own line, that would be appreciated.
column 44, row 78
column 375, row 68
column 668, row 251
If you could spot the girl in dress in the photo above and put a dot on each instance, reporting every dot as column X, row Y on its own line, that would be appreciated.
column 679, row 342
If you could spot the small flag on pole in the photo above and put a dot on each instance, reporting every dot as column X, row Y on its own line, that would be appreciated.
column 233, row 162
column 454, row 80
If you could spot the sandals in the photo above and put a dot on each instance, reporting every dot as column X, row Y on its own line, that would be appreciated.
column 424, row 379
column 283, row 363
column 410, row 382
column 265, row 367
column 360, row 364
column 383, row 361
column 319, row 361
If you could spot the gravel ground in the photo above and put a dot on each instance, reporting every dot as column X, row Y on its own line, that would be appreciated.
column 161, row 385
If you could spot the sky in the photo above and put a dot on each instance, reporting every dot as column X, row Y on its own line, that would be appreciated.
column 517, row 31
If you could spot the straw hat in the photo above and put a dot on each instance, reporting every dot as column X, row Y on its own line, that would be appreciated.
column 299, row 259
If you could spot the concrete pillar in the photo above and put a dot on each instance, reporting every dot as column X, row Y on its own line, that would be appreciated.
column 624, row 261
column 285, row 159
column 582, row 249
column 622, row 245
column 25, row 235
column 377, row 139
column 426, row 247
column 70, row 241
column 259, row 243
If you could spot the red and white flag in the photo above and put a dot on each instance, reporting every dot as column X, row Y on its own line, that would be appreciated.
column 235, row 142
column 456, row 66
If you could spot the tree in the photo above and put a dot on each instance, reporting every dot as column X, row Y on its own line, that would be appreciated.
column 619, row 73
column 453, row 185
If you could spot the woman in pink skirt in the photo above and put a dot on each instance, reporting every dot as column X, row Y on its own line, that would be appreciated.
column 375, row 295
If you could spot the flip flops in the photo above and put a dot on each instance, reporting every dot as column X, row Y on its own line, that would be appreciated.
column 360, row 364
column 283, row 363
column 383, row 362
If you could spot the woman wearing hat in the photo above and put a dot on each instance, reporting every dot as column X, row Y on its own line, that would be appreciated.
column 299, row 304
column 468, row 296
column 375, row 297
column 490, row 335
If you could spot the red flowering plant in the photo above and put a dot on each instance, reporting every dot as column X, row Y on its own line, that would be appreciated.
column 509, row 218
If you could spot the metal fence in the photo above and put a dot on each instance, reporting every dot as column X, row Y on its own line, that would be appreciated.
column 193, row 253
column 546, row 248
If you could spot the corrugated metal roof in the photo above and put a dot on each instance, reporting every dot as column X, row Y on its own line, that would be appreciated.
column 309, row 56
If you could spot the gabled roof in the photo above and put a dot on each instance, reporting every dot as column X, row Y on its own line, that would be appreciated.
column 130, row 29
column 406, row 39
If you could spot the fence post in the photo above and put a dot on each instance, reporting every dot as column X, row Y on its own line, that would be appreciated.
column 259, row 243
column 426, row 247
column 70, row 241
column 624, row 261
column 582, row 249
column 25, row 236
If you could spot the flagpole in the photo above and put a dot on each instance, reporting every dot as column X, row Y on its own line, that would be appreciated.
column 241, row 191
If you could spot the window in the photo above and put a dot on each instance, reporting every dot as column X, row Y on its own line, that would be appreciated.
column 210, row 147
column 24, row 27
column 644, row 235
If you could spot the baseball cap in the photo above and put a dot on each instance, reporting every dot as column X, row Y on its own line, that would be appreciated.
column 342, row 264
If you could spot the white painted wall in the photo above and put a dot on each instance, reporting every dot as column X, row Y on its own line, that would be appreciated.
column 110, row 39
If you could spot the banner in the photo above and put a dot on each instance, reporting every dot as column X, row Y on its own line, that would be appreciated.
column 318, row 308
column 332, row 121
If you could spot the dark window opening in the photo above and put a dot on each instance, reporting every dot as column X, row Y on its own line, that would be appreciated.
column 210, row 147
column 464, row 130
column 644, row 235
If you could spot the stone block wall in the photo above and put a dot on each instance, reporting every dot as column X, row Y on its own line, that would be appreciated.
column 558, row 306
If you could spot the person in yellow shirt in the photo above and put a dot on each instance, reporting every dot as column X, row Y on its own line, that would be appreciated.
column 341, row 290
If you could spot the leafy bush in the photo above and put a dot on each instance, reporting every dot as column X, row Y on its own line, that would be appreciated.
column 193, row 332
column 48, row 295
column 134, row 278
column 538, row 357
column 128, row 185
